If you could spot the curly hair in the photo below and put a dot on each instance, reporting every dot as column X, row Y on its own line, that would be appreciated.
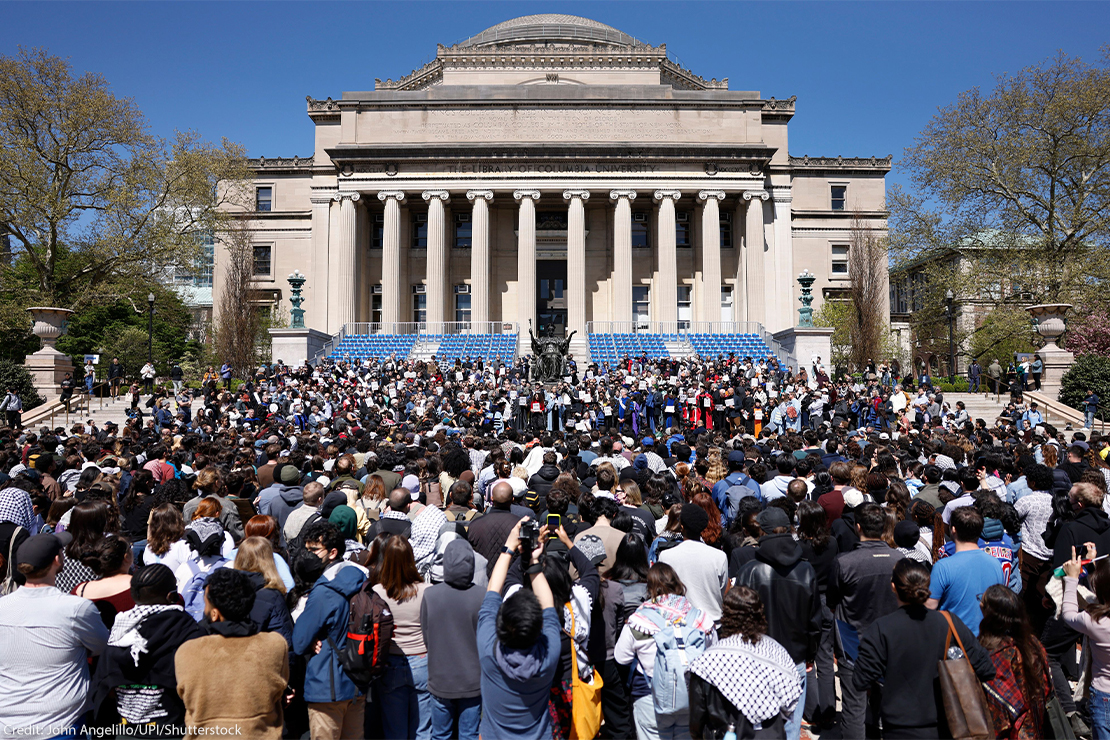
column 743, row 614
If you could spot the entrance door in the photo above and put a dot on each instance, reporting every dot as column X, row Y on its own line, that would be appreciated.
column 551, row 296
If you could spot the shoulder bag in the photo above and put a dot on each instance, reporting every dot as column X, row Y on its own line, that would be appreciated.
column 965, row 705
column 585, row 697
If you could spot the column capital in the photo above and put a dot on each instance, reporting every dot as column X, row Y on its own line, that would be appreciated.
column 443, row 195
column 761, row 194
column 351, row 196
column 782, row 194
column 569, row 194
column 522, row 194
column 672, row 194
column 615, row 195
column 471, row 195
column 397, row 195
column 704, row 195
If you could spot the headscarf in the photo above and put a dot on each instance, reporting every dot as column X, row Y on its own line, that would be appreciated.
column 345, row 520
column 15, row 507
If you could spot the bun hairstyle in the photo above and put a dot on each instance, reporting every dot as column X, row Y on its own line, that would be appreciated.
column 911, row 582
column 107, row 557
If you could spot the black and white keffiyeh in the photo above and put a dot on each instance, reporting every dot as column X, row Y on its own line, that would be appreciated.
column 15, row 507
column 125, row 630
column 760, row 680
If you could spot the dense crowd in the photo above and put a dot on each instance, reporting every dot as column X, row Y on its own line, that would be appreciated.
column 662, row 549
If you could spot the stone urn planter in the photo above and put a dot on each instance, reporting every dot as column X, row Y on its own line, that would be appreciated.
column 1048, row 319
column 48, row 366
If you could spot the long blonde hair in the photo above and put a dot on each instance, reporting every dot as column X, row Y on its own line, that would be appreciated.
column 256, row 554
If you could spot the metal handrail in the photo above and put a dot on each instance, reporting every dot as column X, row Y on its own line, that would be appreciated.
column 424, row 328
column 673, row 327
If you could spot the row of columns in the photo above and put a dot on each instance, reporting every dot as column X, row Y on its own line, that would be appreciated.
column 762, row 265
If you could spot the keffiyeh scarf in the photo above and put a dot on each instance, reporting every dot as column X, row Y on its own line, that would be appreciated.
column 125, row 630
column 760, row 680
column 15, row 507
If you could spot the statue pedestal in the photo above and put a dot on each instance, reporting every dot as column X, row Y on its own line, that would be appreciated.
column 295, row 346
column 48, row 366
column 806, row 343
column 1056, row 363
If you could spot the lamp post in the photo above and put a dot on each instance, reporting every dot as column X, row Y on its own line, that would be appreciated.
column 949, row 298
column 150, row 329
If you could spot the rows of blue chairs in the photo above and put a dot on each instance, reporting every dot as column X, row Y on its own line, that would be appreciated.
column 612, row 347
column 741, row 345
column 475, row 346
column 369, row 346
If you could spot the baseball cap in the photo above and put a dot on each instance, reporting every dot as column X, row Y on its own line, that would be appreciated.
column 647, row 442
column 736, row 456
column 39, row 551
column 770, row 518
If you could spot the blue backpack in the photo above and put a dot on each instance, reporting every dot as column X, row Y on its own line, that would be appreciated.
column 193, row 593
column 677, row 646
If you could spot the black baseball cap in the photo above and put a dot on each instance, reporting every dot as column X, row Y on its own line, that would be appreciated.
column 39, row 551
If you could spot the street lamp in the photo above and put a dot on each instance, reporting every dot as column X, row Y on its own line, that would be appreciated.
column 949, row 298
column 150, row 329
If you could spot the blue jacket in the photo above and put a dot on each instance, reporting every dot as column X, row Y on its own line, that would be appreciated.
column 325, row 615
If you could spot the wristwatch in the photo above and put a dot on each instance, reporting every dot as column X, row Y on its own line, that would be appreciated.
column 505, row 549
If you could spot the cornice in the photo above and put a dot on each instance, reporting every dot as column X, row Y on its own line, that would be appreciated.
column 869, row 164
column 274, row 165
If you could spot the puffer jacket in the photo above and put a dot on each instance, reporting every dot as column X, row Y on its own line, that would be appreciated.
column 788, row 586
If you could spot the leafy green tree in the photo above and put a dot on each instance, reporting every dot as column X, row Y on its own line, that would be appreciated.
column 15, row 376
column 1088, row 373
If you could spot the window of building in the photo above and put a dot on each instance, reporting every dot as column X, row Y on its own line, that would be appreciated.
column 462, row 303
column 640, row 231
column 726, row 231
column 419, row 304
column 726, row 303
column 262, row 259
column 420, row 231
column 682, row 230
column 376, row 304
column 641, row 305
column 463, row 231
column 685, row 306
column 377, row 230
column 263, row 198
column 840, row 259
column 839, row 197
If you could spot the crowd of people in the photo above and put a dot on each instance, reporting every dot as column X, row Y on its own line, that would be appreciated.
column 661, row 549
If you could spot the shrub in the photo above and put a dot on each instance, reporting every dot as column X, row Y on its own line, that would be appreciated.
column 1090, row 372
column 18, row 378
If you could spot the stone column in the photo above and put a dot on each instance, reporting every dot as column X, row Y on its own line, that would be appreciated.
column 479, row 255
column 576, row 260
column 711, row 254
column 666, row 288
column 754, row 274
column 784, row 258
column 391, row 257
column 526, row 259
column 622, row 254
column 343, row 299
column 436, row 282
column 319, row 276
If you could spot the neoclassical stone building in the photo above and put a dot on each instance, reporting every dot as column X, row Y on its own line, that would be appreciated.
column 557, row 170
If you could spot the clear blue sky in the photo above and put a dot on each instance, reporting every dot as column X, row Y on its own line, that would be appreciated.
column 868, row 75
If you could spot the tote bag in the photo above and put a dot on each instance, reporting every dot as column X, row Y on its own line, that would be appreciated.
column 965, row 705
column 585, row 719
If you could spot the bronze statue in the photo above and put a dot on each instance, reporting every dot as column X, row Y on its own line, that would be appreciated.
column 549, row 356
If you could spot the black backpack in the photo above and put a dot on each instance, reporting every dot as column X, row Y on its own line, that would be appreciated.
column 365, row 652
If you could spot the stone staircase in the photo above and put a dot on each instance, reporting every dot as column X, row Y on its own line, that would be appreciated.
column 423, row 350
column 680, row 349
column 978, row 405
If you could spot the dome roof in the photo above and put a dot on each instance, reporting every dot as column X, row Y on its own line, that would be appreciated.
column 549, row 27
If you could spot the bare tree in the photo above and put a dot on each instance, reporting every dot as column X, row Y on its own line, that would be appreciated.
column 237, row 322
column 867, row 269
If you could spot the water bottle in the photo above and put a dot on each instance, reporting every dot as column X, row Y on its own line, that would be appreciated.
column 731, row 734
column 954, row 653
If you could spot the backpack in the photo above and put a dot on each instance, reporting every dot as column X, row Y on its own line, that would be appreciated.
column 365, row 652
column 193, row 593
column 677, row 646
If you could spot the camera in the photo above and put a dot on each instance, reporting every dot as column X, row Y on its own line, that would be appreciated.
column 529, row 534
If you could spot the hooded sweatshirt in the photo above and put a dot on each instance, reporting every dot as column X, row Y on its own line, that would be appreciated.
column 449, row 621
column 1089, row 525
column 279, row 500
column 516, row 684
column 270, row 610
column 325, row 615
